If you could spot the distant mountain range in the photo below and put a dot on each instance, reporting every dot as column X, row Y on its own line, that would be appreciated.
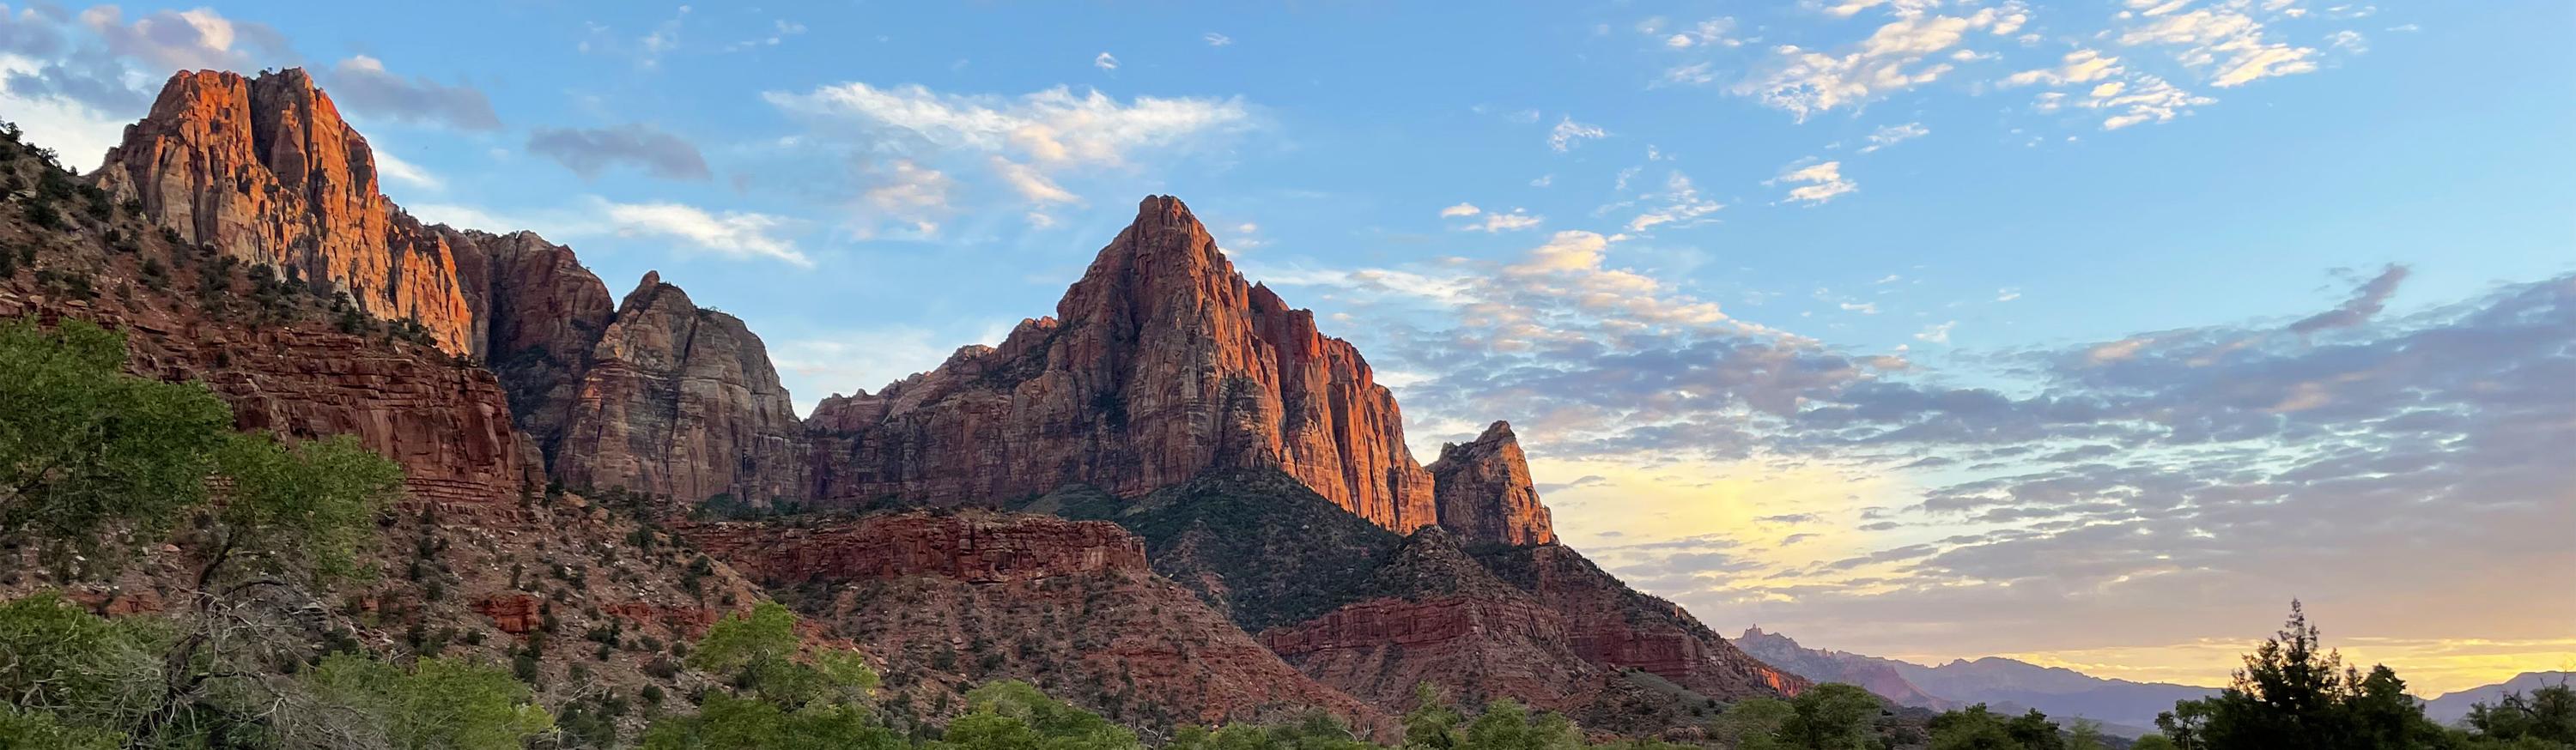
column 2454, row 706
column 2123, row 707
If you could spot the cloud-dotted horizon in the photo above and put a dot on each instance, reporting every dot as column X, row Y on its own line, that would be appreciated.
column 2145, row 485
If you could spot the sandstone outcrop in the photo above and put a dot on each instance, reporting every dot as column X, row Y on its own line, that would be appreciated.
column 265, row 170
column 981, row 548
column 1484, row 490
column 447, row 425
column 1160, row 364
column 681, row 401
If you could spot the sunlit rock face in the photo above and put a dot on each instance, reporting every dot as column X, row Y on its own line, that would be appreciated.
column 1161, row 363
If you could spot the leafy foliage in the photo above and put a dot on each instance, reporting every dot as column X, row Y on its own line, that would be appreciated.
column 1976, row 728
column 778, row 700
column 2543, row 718
column 1832, row 716
column 2292, row 695
column 62, row 666
column 305, row 505
column 85, row 448
column 437, row 703
column 1285, row 553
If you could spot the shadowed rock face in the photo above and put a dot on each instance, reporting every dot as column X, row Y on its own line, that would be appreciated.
column 265, row 170
column 1161, row 364
column 681, row 402
column 1484, row 491
column 1064, row 604
column 540, row 313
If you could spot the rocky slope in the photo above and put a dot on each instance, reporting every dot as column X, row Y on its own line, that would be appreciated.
column 1615, row 625
column 1434, row 615
column 951, row 600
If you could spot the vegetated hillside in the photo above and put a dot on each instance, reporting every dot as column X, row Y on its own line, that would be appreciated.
column 1255, row 543
column 949, row 600
column 589, row 605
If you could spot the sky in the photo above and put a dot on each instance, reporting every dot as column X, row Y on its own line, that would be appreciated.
column 2086, row 333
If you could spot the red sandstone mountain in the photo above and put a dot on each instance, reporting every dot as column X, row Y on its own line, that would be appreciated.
column 263, row 169
column 1164, row 380
column 1161, row 364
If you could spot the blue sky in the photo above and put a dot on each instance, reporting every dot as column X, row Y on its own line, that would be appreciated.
column 1729, row 235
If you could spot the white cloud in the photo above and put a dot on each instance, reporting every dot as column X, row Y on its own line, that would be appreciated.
column 1714, row 32
column 1823, row 182
column 1938, row 334
column 2349, row 41
column 1682, row 206
column 1217, row 40
column 1805, row 82
column 1567, row 132
column 909, row 192
column 2148, row 99
column 1864, row 308
column 182, row 40
column 392, row 168
column 1053, row 126
column 1543, row 180
column 2223, row 39
column 1105, row 62
column 736, row 234
column 2080, row 66
column 1031, row 183
column 1462, row 209
column 1495, row 221
column 2007, row 294
column 1894, row 134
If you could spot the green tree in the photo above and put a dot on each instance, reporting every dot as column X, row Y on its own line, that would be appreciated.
column 85, row 448
column 1433, row 722
column 61, row 666
column 778, row 700
column 2543, row 718
column 23, row 728
column 1831, row 716
column 2293, row 696
column 1506, row 725
column 300, row 512
column 1972, row 728
column 437, row 703
column 2153, row 742
column 1752, row 724
column 302, row 508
